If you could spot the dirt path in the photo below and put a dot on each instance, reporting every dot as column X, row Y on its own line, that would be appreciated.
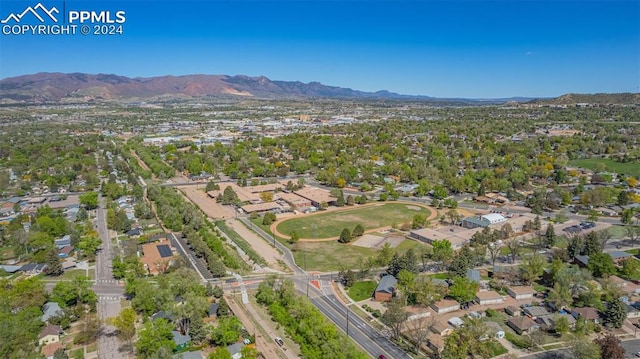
column 140, row 161
column 433, row 215
column 252, row 320
column 270, row 254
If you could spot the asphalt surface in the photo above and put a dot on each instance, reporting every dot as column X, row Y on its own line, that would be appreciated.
column 108, row 290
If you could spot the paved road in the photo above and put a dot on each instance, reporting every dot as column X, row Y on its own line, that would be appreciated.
column 109, row 291
column 372, row 341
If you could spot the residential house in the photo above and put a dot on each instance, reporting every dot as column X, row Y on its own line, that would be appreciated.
column 442, row 329
column 548, row 322
column 523, row 325
column 234, row 349
column 134, row 232
column 489, row 297
column 456, row 322
column 50, row 334
column 619, row 256
column 182, row 341
column 534, row 312
column 513, row 311
column 213, row 312
column 473, row 275
column 445, row 306
column 62, row 242
column 65, row 251
column 386, row 288
column 50, row 310
column 435, row 342
column 632, row 312
column 162, row 315
column 521, row 292
column 50, row 349
column 189, row 355
column 33, row 268
column 588, row 313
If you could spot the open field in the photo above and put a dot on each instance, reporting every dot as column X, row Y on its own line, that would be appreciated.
column 329, row 224
column 629, row 168
column 329, row 256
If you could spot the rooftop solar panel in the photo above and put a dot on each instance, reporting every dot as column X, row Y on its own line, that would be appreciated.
column 165, row 251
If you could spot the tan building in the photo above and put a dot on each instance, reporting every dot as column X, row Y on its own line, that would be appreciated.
column 317, row 196
column 489, row 297
column 521, row 292
column 445, row 306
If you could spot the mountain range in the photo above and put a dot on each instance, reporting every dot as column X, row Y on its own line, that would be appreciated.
column 43, row 88
column 78, row 87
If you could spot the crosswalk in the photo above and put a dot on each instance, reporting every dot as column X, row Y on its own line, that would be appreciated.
column 108, row 298
column 107, row 281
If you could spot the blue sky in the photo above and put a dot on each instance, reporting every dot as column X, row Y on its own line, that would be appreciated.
column 472, row 48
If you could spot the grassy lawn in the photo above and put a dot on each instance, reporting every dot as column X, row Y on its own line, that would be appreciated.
column 617, row 232
column 72, row 274
column 439, row 276
column 629, row 168
column 246, row 247
column 362, row 290
column 329, row 256
column 495, row 348
column 553, row 346
column 330, row 224
column 76, row 353
column 92, row 347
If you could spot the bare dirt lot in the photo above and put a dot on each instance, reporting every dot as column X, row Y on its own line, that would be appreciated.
column 207, row 204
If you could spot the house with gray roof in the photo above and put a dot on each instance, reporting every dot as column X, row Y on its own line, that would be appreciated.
column 50, row 310
column 386, row 288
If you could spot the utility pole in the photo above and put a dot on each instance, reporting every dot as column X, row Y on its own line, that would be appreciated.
column 347, row 308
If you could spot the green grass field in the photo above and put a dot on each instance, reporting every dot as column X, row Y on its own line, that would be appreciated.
column 330, row 224
column 362, row 290
column 617, row 232
column 629, row 168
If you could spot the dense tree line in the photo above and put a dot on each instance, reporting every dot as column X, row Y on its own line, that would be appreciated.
column 179, row 215
column 317, row 337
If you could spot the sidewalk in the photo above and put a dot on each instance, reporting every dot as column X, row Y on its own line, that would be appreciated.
column 251, row 319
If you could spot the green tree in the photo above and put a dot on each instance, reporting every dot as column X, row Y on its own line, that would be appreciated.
column 358, row 230
column 584, row 348
column 89, row 200
column 615, row 314
column 153, row 337
column 406, row 281
column 531, row 269
column 463, row 290
column 345, row 236
column 54, row 264
column 550, row 236
column 561, row 324
column 248, row 352
column 220, row 353
column 630, row 268
column 461, row 262
column 125, row 324
column 294, row 237
column 601, row 265
column 268, row 218
column 419, row 221
column 394, row 317
column 227, row 331
column 384, row 255
column 442, row 252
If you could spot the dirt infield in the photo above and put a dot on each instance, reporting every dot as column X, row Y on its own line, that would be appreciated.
column 433, row 215
column 373, row 241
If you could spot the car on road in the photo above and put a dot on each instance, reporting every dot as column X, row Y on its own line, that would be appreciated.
column 637, row 354
column 279, row 341
column 381, row 356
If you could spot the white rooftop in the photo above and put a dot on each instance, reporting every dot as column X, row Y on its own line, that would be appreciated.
column 494, row 217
